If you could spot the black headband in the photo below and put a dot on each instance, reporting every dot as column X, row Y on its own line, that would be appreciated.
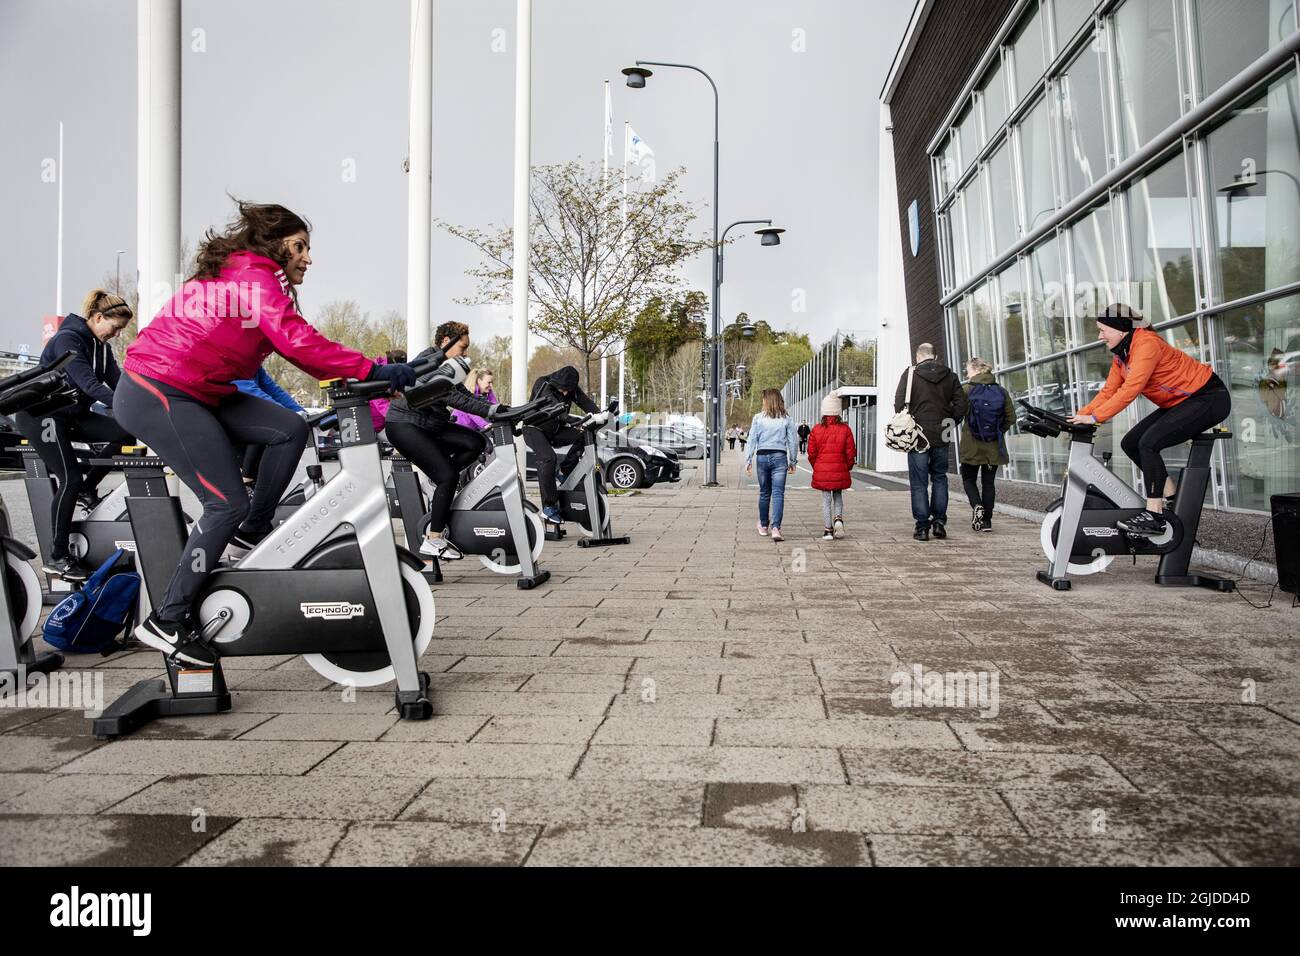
column 1119, row 317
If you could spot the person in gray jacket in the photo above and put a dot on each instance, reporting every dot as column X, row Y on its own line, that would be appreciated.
column 938, row 403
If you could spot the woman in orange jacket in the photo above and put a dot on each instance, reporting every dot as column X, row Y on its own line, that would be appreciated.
column 1190, row 399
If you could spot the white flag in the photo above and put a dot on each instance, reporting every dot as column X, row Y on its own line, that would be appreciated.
column 642, row 155
column 609, row 126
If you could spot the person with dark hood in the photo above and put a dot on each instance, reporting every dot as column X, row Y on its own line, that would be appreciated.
column 560, row 386
column 937, row 404
column 95, row 374
column 1189, row 398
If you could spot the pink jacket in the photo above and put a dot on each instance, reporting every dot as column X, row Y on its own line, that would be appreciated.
column 216, row 331
column 379, row 406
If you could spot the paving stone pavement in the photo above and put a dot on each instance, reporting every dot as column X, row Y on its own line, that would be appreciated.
column 708, row 696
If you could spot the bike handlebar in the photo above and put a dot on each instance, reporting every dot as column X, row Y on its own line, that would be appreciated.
column 1039, row 421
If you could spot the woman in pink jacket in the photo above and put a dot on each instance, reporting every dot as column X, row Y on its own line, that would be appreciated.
column 177, row 396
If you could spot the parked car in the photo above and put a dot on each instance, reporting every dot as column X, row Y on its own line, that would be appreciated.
column 627, row 465
column 672, row 438
column 11, row 458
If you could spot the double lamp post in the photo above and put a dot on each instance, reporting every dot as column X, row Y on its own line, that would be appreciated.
column 636, row 77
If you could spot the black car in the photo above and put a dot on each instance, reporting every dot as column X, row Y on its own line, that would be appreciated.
column 11, row 458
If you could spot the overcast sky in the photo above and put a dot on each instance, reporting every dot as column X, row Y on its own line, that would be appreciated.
column 287, row 91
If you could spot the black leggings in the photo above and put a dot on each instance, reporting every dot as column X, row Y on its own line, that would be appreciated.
column 984, row 493
column 199, row 442
column 1165, row 427
column 52, row 438
column 543, row 449
column 442, row 454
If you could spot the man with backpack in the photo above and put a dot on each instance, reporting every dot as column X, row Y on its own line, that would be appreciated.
column 937, row 403
column 983, row 444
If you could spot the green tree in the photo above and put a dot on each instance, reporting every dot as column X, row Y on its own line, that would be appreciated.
column 779, row 362
column 591, row 269
column 664, row 324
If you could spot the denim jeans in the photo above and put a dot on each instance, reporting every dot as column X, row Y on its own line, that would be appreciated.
column 926, row 468
column 771, row 471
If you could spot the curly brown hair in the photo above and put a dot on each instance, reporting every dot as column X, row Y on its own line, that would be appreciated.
column 258, row 227
column 450, row 330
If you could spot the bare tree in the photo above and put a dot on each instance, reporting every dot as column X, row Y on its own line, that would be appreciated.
column 590, row 270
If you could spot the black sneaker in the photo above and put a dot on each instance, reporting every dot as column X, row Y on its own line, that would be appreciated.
column 68, row 568
column 921, row 534
column 938, row 530
column 1144, row 524
column 245, row 541
column 175, row 640
column 977, row 518
column 88, row 500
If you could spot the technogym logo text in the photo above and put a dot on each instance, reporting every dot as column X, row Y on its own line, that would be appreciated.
column 101, row 910
column 921, row 688
column 64, row 690
column 333, row 611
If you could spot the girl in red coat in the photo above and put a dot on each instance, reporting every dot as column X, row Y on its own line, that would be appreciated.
column 832, row 452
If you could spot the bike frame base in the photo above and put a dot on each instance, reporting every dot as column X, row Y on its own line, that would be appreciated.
column 147, row 701
column 601, row 542
column 532, row 581
column 1056, row 584
column 1196, row 581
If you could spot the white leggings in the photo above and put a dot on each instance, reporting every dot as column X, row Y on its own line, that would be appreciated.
column 832, row 505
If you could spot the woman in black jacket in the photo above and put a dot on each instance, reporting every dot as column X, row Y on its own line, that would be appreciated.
column 430, row 440
column 94, row 372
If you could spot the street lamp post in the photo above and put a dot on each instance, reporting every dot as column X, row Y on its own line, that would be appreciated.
column 636, row 77
column 118, row 288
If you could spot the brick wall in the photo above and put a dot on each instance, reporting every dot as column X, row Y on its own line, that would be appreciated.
column 947, row 51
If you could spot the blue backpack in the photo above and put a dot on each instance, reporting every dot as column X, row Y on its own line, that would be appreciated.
column 986, row 408
column 88, row 621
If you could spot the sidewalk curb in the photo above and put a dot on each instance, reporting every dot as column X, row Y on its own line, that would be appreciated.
column 1218, row 560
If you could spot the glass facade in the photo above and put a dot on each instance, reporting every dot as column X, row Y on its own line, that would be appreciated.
column 1203, row 238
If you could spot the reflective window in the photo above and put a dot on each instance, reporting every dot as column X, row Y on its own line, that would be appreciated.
column 976, row 223
column 1160, row 227
column 981, row 325
column 994, row 97
column 1047, row 302
column 1146, row 44
column 1096, row 278
column 1050, row 389
column 1078, row 101
column 1027, row 51
column 1004, row 198
column 1070, row 16
column 1096, row 363
column 1259, row 360
column 1232, row 34
column 960, row 321
column 1036, row 163
column 968, row 138
column 948, row 166
column 957, row 224
column 1255, row 170
column 1011, row 315
column 945, row 252
column 1020, row 447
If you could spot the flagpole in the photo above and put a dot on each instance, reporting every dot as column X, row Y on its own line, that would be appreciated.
column 58, row 267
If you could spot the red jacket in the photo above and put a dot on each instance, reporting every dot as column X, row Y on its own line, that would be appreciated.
column 832, row 452
column 217, row 331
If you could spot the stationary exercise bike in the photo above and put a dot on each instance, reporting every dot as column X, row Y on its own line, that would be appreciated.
column 329, row 583
column 36, row 390
column 491, row 517
column 1094, row 500
column 584, row 499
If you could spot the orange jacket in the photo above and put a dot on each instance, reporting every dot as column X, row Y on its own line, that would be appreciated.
column 1156, row 369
